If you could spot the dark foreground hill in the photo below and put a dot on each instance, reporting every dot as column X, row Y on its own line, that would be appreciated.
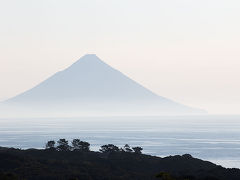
column 36, row 164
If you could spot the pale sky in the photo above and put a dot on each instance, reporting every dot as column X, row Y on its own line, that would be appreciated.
column 185, row 50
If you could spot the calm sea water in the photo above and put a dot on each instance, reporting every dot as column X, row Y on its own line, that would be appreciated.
column 213, row 138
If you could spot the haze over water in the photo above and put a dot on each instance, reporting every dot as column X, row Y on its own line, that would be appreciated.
column 213, row 138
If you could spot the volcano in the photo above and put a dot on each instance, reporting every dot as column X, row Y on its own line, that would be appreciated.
column 90, row 86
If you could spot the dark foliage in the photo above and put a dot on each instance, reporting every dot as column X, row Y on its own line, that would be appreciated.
column 109, row 148
column 127, row 148
column 50, row 145
column 164, row 176
column 63, row 145
column 78, row 145
column 72, row 163
column 137, row 150
column 8, row 176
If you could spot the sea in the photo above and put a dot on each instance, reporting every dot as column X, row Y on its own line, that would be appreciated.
column 212, row 138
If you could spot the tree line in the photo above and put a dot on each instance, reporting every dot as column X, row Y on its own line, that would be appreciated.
column 83, row 146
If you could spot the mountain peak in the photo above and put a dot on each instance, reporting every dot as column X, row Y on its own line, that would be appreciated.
column 90, row 57
column 91, row 60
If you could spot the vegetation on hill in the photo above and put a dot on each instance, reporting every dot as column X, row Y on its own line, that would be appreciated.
column 62, row 161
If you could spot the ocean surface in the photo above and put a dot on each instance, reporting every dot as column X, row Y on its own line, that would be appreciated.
column 213, row 138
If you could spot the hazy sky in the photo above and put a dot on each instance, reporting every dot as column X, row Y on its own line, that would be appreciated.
column 186, row 50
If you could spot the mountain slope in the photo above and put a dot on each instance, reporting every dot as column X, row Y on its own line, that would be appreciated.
column 87, row 79
column 91, row 85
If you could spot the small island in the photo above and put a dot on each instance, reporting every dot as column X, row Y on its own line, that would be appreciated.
column 62, row 161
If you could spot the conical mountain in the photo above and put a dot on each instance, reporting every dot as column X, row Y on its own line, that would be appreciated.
column 92, row 85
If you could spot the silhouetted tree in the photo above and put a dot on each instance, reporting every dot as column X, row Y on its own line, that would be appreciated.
column 127, row 148
column 50, row 145
column 137, row 150
column 109, row 148
column 76, row 144
column 85, row 146
column 63, row 145
column 187, row 156
column 79, row 145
